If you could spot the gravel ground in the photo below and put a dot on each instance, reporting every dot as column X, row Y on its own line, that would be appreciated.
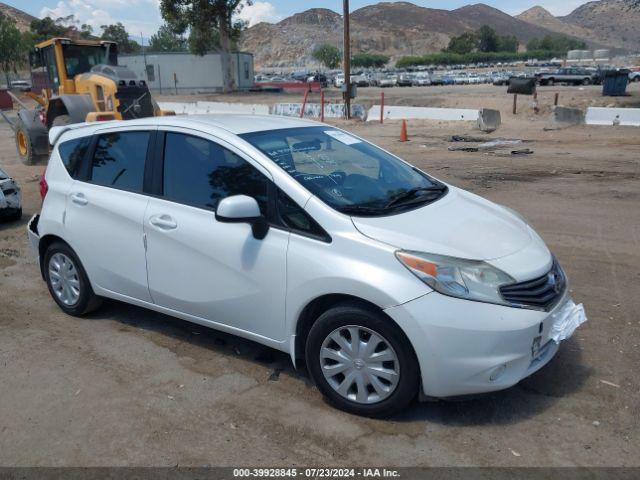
column 127, row 386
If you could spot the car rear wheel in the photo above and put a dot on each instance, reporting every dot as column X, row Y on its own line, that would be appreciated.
column 67, row 281
column 361, row 361
column 586, row 81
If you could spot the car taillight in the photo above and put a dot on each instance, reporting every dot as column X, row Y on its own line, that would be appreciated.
column 44, row 188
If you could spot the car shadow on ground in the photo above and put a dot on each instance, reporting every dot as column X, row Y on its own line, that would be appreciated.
column 275, row 361
column 563, row 376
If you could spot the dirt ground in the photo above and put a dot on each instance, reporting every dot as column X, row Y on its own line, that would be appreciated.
column 131, row 387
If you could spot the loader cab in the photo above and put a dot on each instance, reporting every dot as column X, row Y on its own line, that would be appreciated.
column 56, row 62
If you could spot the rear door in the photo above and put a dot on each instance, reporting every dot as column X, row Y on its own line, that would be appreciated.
column 105, row 211
column 201, row 267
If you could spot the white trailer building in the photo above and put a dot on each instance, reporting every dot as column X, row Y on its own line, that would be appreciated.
column 183, row 73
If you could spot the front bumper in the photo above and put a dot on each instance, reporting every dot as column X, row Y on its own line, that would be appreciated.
column 468, row 347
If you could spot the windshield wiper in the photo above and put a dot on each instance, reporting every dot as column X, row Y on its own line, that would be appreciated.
column 359, row 209
column 413, row 193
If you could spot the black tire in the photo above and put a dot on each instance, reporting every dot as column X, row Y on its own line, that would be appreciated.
column 17, row 216
column 24, row 144
column 586, row 82
column 61, row 120
column 87, row 301
column 355, row 314
column 551, row 82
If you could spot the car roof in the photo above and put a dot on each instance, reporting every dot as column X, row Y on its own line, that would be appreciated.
column 236, row 124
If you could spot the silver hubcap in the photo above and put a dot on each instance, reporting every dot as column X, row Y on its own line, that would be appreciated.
column 359, row 364
column 64, row 278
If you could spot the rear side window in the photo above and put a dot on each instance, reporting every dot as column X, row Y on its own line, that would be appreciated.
column 73, row 153
column 200, row 173
column 119, row 160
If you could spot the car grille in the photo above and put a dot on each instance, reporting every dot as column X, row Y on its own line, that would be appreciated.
column 541, row 293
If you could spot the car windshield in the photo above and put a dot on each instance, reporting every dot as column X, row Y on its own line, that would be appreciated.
column 349, row 174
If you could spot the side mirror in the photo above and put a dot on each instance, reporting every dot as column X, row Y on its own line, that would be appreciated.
column 243, row 209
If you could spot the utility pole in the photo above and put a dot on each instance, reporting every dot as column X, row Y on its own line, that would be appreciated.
column 346, row 47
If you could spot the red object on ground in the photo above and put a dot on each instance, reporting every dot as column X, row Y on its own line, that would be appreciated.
column 6, row 102
column 404, row 137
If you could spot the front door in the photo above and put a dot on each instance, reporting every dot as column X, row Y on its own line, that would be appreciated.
column 211, row 270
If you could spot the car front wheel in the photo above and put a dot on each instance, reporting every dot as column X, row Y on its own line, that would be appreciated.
column 361, row 361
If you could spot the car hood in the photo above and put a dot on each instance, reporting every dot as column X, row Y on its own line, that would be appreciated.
column 460, row 225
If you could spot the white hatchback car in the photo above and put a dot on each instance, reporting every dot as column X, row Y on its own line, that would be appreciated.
column 310, row 240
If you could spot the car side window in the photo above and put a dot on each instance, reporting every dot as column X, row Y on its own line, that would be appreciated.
column 293, row 217
column 72, row 153
column 200, row 173
column 119, row 160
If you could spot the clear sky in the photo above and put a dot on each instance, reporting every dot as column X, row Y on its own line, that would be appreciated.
column 143, row 16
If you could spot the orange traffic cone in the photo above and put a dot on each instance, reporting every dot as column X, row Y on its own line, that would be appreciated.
column 403, row 132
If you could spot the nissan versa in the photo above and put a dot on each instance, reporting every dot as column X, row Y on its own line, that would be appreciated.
column 389, row 283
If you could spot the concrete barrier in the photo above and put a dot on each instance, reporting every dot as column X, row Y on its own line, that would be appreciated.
column 489, row 120
column 424, row 113
column 331, row 110
column 613, row 116
column 567, row 117
column 195, row 108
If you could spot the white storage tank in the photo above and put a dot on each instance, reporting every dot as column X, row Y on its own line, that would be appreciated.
column 602, row 54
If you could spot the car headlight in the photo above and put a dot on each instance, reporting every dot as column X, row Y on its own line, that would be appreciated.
column 457, row 277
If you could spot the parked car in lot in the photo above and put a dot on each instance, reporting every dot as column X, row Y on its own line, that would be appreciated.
column 389, row 81
column 307, row 239
column 338, row 81
column 569, row 75
column 21, row 85
column 10, row 198
column 405, row 80
column 422, row 79
column 634, row 75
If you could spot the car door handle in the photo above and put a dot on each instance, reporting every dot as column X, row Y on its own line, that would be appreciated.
column 79, row 199
column 163, row 222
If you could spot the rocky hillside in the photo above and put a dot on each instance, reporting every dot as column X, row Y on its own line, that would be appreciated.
column 394, row 29
column 614, row 21
column 22, row 19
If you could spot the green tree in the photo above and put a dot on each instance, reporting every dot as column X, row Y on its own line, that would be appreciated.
column 465, row 43
column 556, row 43
column 369, row 60
column 205, row 19
column 86, row 31
column 508, row 43
column 328, row 55
column 117, row 33
column 12, row 52
column 166, row 40
column 488, row 40
column 46, row 28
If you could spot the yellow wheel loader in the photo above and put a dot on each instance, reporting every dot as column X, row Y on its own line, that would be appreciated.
column 76, row 81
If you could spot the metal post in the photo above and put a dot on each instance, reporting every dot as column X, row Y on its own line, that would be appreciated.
column 321, row 105
column 175, row 82
column 304, row 102
column 557, row 99
column 160, row 78
column 515, row 103
column 346, row 46
column 381, row 107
